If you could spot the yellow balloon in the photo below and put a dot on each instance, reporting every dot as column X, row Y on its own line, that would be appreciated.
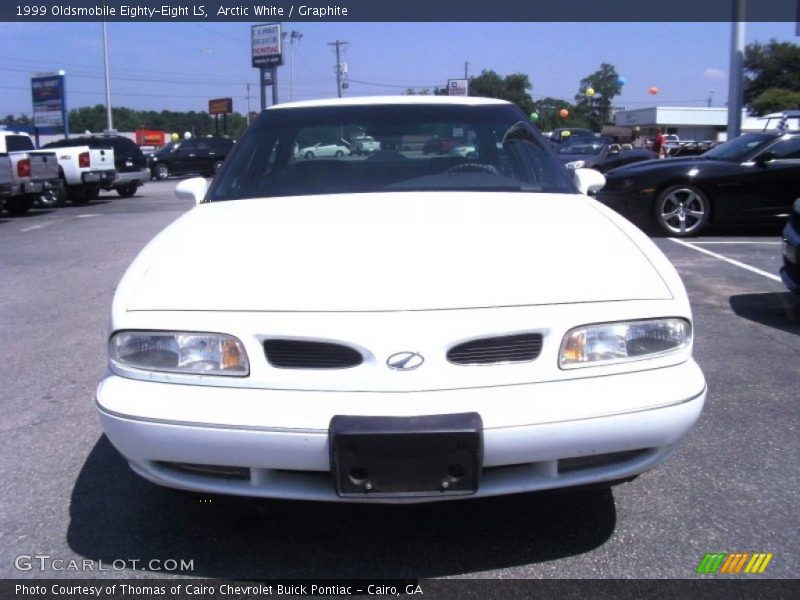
column 590, row 92
column 174, row 137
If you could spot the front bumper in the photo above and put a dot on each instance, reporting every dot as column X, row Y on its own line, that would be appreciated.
column 634, row 205
column 283, row 461
column 790, row 272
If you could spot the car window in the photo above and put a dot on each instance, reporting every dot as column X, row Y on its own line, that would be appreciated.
column 17, row 143
column 495, row 148
column 785, row 149
column 739, row 148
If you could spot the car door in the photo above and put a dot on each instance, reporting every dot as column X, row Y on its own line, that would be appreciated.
column 772, row 182
column 184, row 157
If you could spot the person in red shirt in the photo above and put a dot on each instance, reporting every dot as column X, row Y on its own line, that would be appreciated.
column 658, row 144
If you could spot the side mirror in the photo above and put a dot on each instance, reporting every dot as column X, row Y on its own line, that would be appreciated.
column 589, row 181
column 765, row 157
column 192, row 189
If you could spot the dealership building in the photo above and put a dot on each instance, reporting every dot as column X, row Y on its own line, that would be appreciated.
column 687, row 122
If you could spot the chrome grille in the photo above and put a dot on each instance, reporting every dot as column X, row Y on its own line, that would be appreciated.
column 303, row 354
column 502, row 349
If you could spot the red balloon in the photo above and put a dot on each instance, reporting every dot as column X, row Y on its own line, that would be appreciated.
column 653, row 90
column 564, row 113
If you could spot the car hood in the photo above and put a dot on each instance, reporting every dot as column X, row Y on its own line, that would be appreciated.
column 397, row 251
column 659, row 164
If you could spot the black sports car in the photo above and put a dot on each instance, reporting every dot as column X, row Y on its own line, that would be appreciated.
column 600, row 154
column 754, row 178
column 790, row 273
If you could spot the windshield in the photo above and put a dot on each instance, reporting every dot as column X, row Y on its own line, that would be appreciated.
column 740, row 148
column 306, row 151
column 582, row 146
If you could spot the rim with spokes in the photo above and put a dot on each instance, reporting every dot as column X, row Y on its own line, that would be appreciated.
column 683, row 210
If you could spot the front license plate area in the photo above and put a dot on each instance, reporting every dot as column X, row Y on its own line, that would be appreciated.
column 436, row 455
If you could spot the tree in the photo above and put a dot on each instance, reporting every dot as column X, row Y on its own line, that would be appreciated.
column 549, row 118
column 774, row 100
column 768, row 66
column 513, row 88
column 597, row 109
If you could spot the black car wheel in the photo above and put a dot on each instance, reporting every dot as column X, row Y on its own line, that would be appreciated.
column 309, row 155
column 83, row 194
column 681, row 211
column 339, row 154
column 55, row 196
column 127, row 190
column 19, row 205
column 161, row 171
column 217, row 166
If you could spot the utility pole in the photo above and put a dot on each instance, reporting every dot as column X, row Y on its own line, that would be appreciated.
column 466, row 70
column 736, row 71
column 248, row 105
column 338, row 44
column 109, row 119
column 295, row 35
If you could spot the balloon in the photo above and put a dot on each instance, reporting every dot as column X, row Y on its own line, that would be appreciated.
column 174, row 137
column 187, row 135
column 653, row 90
column 534, row 117
column 564, row 113
column 621, row 81
column 590, row 92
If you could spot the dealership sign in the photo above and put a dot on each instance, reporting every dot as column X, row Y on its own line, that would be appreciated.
column 457, row 87
column 49, row 103
column 220, row 106
column 266, row 44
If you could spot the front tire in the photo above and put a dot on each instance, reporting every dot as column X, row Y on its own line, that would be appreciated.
column 309, row 155
column 339, row 154
column 54, row 197
column 217, row 167
column 681, row 211
column 161, row 171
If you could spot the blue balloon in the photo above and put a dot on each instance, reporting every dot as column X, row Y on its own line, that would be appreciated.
column 621, row 81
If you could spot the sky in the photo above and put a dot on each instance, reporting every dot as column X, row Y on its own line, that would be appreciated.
column 180, row 66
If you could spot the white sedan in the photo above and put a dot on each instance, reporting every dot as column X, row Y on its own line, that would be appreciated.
column 405, row 330
column 324, row 151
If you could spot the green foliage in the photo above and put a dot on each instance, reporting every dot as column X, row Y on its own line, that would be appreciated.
column 596, row 110
column 23, row 119
column 513, row 88
column 775, row 100
column 769, row 66
column 549, row 118
column 93, row 119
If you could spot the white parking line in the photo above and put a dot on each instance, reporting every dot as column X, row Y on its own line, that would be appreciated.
column 766, row 243
column 39, row 226
column 727, row 260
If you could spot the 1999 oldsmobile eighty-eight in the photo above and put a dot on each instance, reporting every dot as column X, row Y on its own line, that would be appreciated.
column 400, row 327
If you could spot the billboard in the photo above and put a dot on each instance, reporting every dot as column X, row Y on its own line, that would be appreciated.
column 220, row 106
column 49, row 102
column 457, row 87
column 266, row 44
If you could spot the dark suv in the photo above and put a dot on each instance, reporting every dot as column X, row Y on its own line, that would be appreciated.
column 129, row 160
column 201, row 155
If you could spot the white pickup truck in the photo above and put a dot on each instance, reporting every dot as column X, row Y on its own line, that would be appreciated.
column 364, row 144
column 5, row 178
column 84, row 171
column 33, row 173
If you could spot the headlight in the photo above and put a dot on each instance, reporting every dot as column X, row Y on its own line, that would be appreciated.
column 625, row 341
column 575, row 164
column 179, row 352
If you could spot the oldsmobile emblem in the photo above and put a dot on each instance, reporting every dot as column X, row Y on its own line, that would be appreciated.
column 405, row 361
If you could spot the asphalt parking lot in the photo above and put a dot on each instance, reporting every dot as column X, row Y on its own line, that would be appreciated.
column 731, row 487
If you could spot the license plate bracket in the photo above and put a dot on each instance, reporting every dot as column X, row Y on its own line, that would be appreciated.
column 432, row 455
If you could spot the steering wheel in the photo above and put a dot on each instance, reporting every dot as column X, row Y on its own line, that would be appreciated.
column 473, row 167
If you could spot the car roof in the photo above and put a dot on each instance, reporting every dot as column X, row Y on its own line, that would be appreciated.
column 392, row 100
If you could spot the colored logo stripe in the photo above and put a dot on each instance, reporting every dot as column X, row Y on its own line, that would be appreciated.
column 733, row 563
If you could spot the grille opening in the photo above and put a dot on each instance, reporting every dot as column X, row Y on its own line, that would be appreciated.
column 302, row 354
column 217, row 471
column 580, row 463
column 523, row 347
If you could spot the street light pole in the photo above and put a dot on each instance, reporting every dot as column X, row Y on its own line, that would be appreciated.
column 295, row 35
column 109, row 119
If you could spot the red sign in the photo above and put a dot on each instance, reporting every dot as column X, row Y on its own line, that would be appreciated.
column 149, row 137
column 220, row 106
